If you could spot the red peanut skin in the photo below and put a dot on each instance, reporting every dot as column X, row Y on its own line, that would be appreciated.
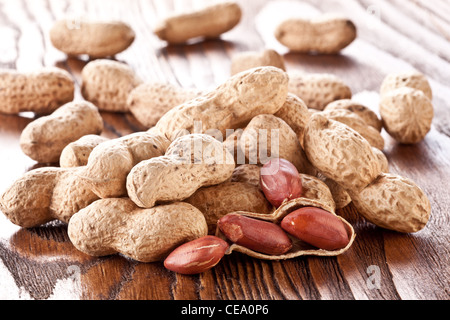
column 196, row 256
column 257, row 235
column 282, row 184
column 316, row 227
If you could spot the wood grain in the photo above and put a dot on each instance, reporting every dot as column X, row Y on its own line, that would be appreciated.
column 41, row 263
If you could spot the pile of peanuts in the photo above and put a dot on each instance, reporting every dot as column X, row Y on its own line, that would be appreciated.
column 198, row 184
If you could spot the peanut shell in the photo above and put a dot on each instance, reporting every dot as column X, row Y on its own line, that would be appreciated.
column 98, row 39
column 318, row 90
column 112, row 226
column 108, row 83
column 148, row 102
column 395, row 203
column 217, row 201
column 44, row 139
column 248, row 60
column 209, row 22
column 76, row 154
column 326, row 34
column 340, row 153
column 407, row 115
column 231, row 105
column 191, row 162
column 42, row 91
column 299, row 248
column 411, row 79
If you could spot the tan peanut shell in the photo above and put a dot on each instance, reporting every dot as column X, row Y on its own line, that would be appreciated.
column 383, row 161
column 231, row 105
column 411, row 79
column 219, row 200
column 76, row 154
column 110, row 162
column 395, row 203
column 327, row 34
column 45, row 194
column 191, row 162
column 317, row 90
column 44, row 139
column 107, row 84
column 299, row 247
column 248, row 173
column 267, row 137
column 148, row 102
column 315, row 189
column 97, row 39
column 252, row 59
column 42, row 91
column 369, row 116
column 340, row 197
column 407, row 115
column 351, row 119
column 295, row 113
column 209, row 22
column 340, row 153
column 112, row 226
column 233, row 144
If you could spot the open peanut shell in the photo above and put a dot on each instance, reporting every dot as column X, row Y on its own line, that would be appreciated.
column 299, row 247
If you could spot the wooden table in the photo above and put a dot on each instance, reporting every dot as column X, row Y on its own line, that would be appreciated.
column 41, row 263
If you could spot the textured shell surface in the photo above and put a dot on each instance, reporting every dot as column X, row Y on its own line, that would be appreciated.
column 327, row 34
column 208, row 22
column 253, row 59
column 340, row 153
column 98, row 39
column 112, row 226
column 407, row 115
column 317, row 90
column 44, row 139
column 42, row 91
column 191, row 161
column 395, row 203
column 412, row 79
column 107, row 84
column 231, row 105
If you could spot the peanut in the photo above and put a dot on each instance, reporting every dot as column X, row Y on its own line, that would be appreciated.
column 295, row 113
column 260, row 236
column 369, row 116
column 280, row 181
column 219, row 200
column 407, row 115
column 395, row 203
column 148, row 102
column 110, row 162
column 45, row 194
column 97, row 39
column 209, row 22
column 249, row 60
column 299, row 248
column 231, row 105
column 327, row 34
column 248, row 173
column 107, row 84
column 267, row 137
column 316, row 227
column 42, row 91
column 191, row 161
column 44, row 139
column 111, row 226
column 351, row 119
column 317, row 90
column 340, row 153
column 196, row 256
column 76, row 154
column 411, row 79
